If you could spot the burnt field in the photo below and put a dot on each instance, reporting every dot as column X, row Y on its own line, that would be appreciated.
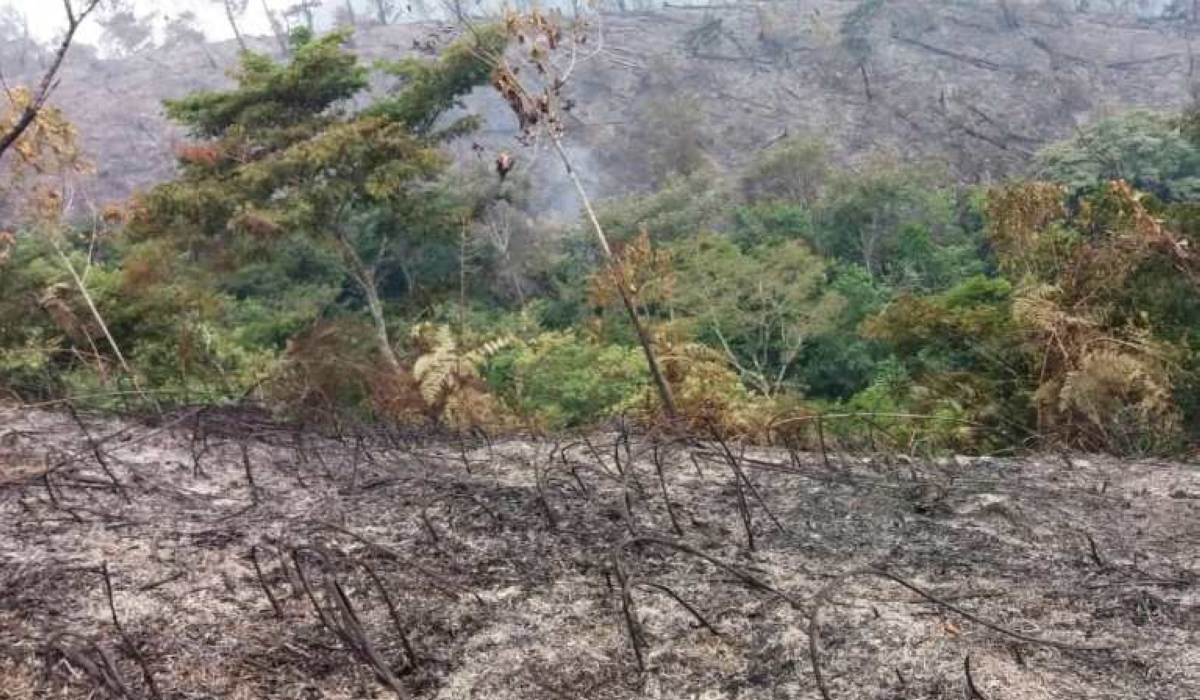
column 217, row 554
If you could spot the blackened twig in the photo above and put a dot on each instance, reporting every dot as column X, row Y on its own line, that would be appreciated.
column 632, row 626
column 147, row 675
column 262, row 582
column 98, row 453
column 686, row 606
column 972, row 692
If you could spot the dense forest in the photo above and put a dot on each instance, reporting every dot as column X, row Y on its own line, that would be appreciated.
column 321, row 250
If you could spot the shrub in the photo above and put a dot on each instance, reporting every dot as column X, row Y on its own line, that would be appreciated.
column 562, row 380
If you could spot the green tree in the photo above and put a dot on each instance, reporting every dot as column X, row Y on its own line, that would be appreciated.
column 283, row 156
column 770, row 222
column 962, row 357
column 839, row 362
column 901, row 226
column 682, row 206
column 792, row 170
column 1148, row 150
column 760, row 307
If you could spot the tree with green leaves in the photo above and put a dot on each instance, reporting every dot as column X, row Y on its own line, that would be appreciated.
column 792, row 170
column 759, row 307
column 899, row 225
column 1151, row 151
column 283, row 156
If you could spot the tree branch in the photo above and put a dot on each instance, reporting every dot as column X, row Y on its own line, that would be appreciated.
column 49, row 81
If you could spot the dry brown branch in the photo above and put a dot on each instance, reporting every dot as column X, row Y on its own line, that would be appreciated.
column 49, row 80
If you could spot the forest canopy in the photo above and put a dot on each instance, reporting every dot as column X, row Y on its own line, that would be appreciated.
column 320, row 250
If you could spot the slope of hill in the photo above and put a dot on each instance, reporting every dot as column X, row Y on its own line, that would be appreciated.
column 220, row 555
column 977, row 87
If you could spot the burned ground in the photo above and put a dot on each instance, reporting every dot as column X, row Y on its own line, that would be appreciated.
column 217, row 554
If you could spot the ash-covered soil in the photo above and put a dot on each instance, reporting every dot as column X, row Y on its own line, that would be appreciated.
column 400, row 564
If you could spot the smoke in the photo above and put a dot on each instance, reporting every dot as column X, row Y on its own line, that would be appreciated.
column 553, row 196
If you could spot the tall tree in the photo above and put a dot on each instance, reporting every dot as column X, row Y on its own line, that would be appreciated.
column 184, row 30
column 282, row 156
column 540, row 106
column 125, row 33
column 233, row 10
column 760, row 308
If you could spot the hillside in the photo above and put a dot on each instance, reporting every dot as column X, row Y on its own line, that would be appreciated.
column 977, row 87
column 218, row 554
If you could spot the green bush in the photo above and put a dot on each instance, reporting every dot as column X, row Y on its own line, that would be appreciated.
column 561, row 380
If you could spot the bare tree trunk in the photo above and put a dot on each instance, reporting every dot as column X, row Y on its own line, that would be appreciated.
column 660, row 381
column 277, row 29
column 383, row 11
column 381, row 332
column 364, row 277
column 237, row 33
column 462, row 280
column 48, row 82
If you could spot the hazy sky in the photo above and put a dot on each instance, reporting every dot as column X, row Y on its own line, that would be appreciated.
column 47, row 17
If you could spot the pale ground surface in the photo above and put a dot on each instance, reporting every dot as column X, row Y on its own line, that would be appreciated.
column 508, row 591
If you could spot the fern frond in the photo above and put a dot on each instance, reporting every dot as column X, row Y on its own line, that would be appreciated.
column 489, row 349
column 448, row 379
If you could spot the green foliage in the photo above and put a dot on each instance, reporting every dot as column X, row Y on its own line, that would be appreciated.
column 288, row 165
column 958, row 329
column 683, row 206
column 901, row 226
column 963, row 353
column 427, row 90
column 792, row 170
column 769, row 223
column 275, row 97
column 562, row 380
column 32, row 348
column 840, row 362
column 1147, row 149
column 932, row 316
column 759, row 307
